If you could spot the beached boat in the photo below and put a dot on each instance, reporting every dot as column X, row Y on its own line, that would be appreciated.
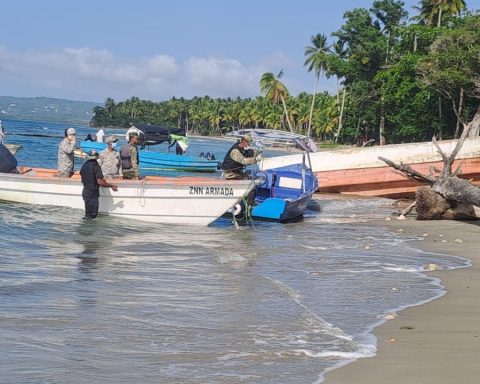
column 182, row 200
column 358, row 171
column 158, row 160
column 13, row 148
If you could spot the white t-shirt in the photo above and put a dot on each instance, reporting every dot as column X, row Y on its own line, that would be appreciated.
column 100, row 135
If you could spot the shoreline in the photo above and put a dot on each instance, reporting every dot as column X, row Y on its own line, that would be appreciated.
column 437, row 342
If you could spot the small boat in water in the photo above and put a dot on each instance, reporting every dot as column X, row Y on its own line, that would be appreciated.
column 180, row 200
column 284, row 193
column 158, row 160
column 154, row 135
column 359, row 171
column 281, row 194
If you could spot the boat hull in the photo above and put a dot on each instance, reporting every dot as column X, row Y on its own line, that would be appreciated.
column 281, row 210
column 157, row 160
column 358, row 171
column 183, row 200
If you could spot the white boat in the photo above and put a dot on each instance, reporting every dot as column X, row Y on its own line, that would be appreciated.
column 359, row 171
column 180, row 200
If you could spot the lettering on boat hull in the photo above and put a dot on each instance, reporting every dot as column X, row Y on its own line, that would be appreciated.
column 211, row 191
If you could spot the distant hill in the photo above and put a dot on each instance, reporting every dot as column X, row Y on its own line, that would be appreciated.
column 46, row 109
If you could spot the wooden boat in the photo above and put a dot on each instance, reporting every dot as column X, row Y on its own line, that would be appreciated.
column 13, row 148
column 158, row 160
column 182, row 200
column 358, row 171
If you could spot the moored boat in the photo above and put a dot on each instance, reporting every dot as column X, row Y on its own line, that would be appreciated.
column 181, row 200
column 284, row 192
column 359, row 171
column 158, row 160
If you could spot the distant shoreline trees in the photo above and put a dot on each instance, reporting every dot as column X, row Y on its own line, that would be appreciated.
column 396, row 82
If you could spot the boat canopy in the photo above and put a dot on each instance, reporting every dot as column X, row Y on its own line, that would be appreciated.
column 155, row 134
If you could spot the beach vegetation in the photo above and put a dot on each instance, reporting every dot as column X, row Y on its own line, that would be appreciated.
column 400, row 78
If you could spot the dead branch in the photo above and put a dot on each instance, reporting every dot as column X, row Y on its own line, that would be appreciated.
column 409, row 172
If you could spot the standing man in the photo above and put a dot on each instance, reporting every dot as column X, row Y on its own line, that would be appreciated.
column 237, row 157
column 100, row 135
column 129, row 157
column 92, row 180
column 65, row 154
column 109, row 159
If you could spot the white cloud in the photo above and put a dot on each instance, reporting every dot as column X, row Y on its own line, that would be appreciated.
column 89, row 74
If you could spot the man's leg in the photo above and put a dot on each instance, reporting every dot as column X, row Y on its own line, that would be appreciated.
column 91, row 207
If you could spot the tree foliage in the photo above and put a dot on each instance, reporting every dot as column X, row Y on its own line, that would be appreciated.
column 402, row 81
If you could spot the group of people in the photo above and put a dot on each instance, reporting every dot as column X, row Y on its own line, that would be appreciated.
column 109, row 163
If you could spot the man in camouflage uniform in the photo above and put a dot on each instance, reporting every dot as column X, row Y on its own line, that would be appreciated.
column 129, row 157
column 237, row 157
column 65, row 154
column 109, row 159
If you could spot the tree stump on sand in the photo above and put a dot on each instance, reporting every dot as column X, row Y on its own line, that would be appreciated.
column 433, row 206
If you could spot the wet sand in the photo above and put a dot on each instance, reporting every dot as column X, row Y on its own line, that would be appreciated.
column 438, row 342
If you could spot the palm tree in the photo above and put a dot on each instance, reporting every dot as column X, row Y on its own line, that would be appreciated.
column 316, row 55
column 274, row 90
column 434, row 9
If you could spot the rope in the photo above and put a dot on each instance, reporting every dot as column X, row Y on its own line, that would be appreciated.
column 141, row 192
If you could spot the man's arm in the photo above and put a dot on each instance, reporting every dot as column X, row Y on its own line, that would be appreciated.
column 104, row 183
column 237, row 156
column 67, row 146
column 133, row 156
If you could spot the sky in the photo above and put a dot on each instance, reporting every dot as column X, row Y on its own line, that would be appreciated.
column 158, row 49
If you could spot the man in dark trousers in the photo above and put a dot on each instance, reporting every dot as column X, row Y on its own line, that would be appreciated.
column 92, row 180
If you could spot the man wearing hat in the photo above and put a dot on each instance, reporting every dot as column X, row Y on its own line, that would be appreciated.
column 65, row 154
column 237, row 157
column 92, row 180
column 129, row 157
column 109, row 159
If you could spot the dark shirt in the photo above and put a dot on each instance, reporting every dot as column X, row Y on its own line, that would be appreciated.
column 90, row 172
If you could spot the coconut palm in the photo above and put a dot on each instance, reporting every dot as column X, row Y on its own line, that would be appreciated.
column 434, row 9
column 274, row 90
column 316, row 60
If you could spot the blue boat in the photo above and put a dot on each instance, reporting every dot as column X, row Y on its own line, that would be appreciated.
column 158, row 160
column 281, row 194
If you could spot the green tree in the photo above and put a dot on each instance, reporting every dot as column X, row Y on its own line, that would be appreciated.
column 275, row 91
column 316, row 60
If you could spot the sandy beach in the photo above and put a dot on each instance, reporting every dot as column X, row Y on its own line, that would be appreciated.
column 438, row 342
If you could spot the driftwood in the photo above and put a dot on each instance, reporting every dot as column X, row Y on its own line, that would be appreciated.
column 445, row 195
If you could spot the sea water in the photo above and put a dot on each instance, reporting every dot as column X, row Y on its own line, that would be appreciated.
column 118, row 301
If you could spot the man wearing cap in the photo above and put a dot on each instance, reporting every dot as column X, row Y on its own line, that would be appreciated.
column 129, row 157
column 65, row 154
column 92, row 180
column 109, row 159
column 237, row 157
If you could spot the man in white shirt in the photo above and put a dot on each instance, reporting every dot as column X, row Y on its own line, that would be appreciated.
column 100, row 135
